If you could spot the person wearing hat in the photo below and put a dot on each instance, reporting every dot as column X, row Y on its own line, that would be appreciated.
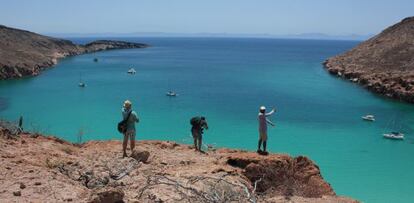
column 263, row 121
column 132, row 118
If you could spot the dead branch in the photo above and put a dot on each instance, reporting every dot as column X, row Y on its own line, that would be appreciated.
column 202, row 189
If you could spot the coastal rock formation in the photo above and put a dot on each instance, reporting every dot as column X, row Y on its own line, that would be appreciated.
column 384, row 64
column 101, row 45
column 54, row 170
column 283, row 174
column 24, row 53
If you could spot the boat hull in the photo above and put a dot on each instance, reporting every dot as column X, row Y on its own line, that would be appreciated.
column 393, row 137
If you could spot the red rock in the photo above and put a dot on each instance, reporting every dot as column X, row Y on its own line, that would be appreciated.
column 22, row 186
column 283, row 174
column 140, row 155
column 109, row 196
column 99, row 174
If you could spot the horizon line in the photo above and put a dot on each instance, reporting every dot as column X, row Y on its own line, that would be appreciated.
column 313, row 35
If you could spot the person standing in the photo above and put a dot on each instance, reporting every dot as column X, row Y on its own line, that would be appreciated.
column 131, row 118
column 198, row 124
column 263, row 121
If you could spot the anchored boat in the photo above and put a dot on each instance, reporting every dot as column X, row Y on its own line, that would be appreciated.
column 81, row 83
column 368, row 118
column 394, row 135
column 131, row 71
column 171, row 94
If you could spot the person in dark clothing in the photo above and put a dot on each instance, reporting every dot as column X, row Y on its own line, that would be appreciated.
column 198, row 125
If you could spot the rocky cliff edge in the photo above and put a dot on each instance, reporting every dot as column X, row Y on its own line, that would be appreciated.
column 37, row 168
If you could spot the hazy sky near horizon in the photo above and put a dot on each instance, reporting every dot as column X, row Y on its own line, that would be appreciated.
column 279, row 17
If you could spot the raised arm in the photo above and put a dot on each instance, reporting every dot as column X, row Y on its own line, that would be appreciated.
column 271, row 112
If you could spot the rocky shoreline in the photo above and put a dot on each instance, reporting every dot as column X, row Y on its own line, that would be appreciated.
column 24, row 53
column 38, row 168
column 383, row 64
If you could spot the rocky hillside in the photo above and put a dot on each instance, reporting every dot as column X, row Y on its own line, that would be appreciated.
column 384, row 64
column 24, row 53
column 35, row 168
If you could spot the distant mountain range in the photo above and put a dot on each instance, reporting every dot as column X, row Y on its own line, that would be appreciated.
column 319, row 36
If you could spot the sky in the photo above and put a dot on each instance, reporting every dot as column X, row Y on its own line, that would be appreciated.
column 274, row 17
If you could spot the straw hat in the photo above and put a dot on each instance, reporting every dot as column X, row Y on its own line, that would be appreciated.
column 127, row 104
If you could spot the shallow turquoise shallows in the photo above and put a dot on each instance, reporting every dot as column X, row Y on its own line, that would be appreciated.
column 226, row 80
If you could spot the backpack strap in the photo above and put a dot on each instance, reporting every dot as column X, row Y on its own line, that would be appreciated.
column 127, row 118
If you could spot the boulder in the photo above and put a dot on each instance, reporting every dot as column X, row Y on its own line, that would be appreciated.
column 108, row 196
column 140, row 155
column 22, row 186
column 17, row 193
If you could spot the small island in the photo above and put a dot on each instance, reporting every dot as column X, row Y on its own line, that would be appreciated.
column 383, row 64
column 24, row 53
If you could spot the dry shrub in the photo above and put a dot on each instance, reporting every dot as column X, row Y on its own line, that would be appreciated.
column 51, row 163
column 67, row 150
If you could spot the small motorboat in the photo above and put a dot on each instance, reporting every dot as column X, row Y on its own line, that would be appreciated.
column 131, row 71
column 81, row 83
column 172, row 94
column 394, row 136
column 368, row 118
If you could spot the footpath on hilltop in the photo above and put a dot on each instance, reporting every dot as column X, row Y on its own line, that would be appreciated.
column 39, row 168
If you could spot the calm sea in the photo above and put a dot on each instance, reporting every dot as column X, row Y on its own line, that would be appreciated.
column 227, row 80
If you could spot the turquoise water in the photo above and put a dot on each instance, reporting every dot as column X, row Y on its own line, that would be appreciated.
column 227, row 80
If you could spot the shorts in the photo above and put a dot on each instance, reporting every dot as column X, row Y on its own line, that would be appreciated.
column 263, row 136
column 130, row 134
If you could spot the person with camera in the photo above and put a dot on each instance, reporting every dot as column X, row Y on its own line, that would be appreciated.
column 198, row 124
column 127, row 127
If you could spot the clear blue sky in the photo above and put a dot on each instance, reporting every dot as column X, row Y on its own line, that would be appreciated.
column 335, row 17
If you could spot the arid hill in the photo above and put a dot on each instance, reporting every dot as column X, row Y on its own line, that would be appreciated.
column 35, row 168
column 24, row 53
column 384, row 64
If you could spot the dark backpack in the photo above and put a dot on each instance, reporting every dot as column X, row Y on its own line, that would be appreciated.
column 195, row 121
column 122, row 126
